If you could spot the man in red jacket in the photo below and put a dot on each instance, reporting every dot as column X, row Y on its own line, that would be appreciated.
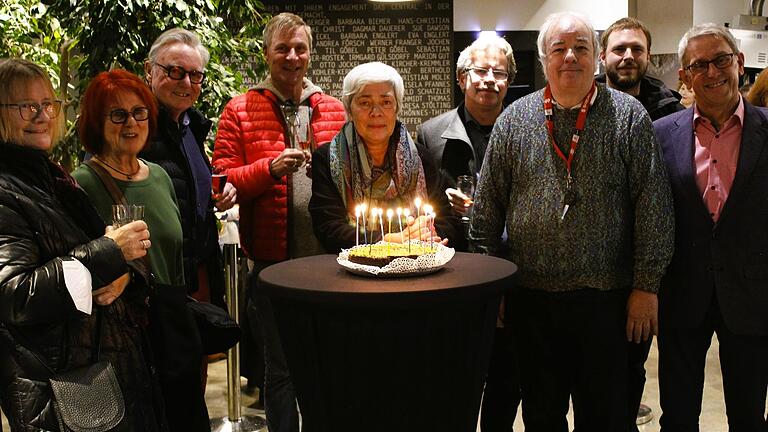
column 264, row 142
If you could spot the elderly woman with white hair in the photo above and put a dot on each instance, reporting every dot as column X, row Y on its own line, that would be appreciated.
column 372, row 161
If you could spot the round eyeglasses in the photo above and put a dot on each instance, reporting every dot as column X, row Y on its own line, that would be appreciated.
column 178, row 73
column 30, row 110
column 119, row 116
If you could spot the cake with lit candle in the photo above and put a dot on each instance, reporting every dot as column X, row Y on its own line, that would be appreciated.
column 381, row 254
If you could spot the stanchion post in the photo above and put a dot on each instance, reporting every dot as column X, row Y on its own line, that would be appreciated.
column 233, row 357
column 235, row 421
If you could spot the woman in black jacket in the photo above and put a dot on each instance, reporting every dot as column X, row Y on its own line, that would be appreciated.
column 60, row 269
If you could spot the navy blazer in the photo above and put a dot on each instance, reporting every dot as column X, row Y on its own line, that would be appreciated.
column 727, row 259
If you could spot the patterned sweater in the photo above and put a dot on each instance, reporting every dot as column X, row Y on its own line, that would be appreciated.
column 618, row 234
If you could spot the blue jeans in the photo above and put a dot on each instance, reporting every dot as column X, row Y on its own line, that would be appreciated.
column 279, row 396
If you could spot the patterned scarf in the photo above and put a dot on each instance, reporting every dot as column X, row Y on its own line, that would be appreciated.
column 396, row 185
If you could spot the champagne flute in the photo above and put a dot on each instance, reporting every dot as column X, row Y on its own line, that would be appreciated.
column 218, row 181
column 466, row 185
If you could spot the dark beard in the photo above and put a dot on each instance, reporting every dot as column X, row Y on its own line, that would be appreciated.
column 624, row 83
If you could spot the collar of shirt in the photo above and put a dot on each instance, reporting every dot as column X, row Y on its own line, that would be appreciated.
column 699, row 119
column 470, row 121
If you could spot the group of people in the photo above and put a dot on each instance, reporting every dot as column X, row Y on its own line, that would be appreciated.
column 628, row 215
column 70, row 279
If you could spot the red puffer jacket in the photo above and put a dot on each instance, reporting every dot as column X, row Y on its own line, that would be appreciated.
column 252, row 133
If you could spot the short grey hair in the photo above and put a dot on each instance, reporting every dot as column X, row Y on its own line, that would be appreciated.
column 706, row 29
column 371, row 73
column 174, row 36
column 282, row 22
column 554, row 19
column 487, row 43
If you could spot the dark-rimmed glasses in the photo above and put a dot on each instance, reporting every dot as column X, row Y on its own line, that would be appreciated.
column 721, row 62
column 30, row 110
column 178, row 73
column 119, row 116
column 498, row 74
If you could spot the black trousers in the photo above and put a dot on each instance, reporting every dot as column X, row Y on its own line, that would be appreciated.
column 572, row 344
column 501, row 396
column 185, row 408
column 637, row 354
column 744, row 365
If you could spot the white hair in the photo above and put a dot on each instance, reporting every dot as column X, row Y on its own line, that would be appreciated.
column 174, row 36
column 706, row 29
column 553, row 20
column 371, row 73
column 486, row 43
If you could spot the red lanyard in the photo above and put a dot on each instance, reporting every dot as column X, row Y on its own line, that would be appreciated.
column 580, row 122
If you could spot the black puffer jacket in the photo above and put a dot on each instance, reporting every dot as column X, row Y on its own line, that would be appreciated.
column 657, row 98
column 45, row 219
column 200, row 236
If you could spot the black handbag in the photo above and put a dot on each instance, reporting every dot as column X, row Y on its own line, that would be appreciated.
column 88, row 398
column 218, row 331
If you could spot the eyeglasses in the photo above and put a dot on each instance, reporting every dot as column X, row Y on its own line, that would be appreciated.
column 178, row 73
column 498, row 74
column 119, row 116
column 29, row 111
column 721, row 62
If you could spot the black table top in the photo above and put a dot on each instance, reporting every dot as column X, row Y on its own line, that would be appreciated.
column 321, row 278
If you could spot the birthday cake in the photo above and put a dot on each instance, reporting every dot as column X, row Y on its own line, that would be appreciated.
column 381, row 254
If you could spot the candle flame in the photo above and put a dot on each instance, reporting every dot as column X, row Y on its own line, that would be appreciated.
column 417, row 202
column 399, row 211
column 390, row 213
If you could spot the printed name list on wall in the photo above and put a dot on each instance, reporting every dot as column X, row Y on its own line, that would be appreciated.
column 415, row 38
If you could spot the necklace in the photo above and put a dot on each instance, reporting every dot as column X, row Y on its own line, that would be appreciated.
column 129, row 176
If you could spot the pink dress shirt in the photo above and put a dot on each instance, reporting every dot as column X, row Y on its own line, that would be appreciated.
column 716, row 155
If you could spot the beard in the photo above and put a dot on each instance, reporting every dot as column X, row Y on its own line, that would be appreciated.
column 625, row 82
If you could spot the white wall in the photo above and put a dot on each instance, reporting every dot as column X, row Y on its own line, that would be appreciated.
column 473, row 15
column 720, row 11
column 667, row 19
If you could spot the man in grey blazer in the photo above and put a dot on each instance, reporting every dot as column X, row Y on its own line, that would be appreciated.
column 453, row 144
column 716, row 154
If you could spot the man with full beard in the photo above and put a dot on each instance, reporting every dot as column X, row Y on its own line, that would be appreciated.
column 626, row 52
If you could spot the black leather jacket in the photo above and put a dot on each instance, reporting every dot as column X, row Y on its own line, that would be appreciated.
column 45, row 219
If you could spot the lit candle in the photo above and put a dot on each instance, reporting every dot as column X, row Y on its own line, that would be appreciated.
column 417, row 203
column 363, row 208
column 427, row 212
column 400, row 222
column 373, row 227
column 357, row 227
column 407, row 213
column 390, row 213
column 380, row 212
column 431, row 244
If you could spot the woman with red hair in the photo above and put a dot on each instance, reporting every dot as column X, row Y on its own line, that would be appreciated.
column 118, row 116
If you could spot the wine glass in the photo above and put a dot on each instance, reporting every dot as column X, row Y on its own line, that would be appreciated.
column 126, row 213
column 466, row 185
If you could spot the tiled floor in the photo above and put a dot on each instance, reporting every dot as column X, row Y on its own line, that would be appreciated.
column 712, row 417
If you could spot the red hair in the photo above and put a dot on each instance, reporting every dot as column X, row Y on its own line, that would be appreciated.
column 103, row 91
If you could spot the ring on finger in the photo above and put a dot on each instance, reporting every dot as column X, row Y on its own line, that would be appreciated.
column 144, row 244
